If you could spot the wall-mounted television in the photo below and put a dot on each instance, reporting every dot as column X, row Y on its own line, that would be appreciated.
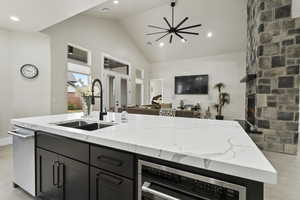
column 196, row 84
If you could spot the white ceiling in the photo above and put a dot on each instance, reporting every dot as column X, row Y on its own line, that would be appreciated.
column 226, row 19
column 125, row 8
column 36, row 15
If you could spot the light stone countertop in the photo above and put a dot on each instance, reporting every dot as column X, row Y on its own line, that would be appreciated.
column 220, row 146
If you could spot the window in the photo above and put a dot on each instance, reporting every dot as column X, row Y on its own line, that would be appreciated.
column 77, row 54
column 79, row 76
column 115, row 66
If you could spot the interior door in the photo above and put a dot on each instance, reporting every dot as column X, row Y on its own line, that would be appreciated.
column 74, row 179
column 117, row 91
column 110, row 92
column 124, row 85
column 47, row 176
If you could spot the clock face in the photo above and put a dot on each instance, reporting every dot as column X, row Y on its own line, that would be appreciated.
column 29, row 71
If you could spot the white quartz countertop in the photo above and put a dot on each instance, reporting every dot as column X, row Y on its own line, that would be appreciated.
column 220, row 146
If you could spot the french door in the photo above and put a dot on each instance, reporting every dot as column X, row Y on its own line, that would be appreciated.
column 116, row 91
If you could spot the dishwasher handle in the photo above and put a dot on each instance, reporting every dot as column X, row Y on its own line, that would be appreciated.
column 146, row 188
column 15, row 133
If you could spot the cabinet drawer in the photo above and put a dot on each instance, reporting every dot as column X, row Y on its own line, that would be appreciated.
column 64, row 146
column 120, row 163
column 105, row 185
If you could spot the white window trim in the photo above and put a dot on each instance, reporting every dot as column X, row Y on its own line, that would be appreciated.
column 82, row 69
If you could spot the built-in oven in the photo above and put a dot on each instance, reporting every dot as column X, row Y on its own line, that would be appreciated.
column 158, row 182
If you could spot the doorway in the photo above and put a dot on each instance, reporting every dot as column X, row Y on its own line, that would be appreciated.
column 111, row 92
column 139, row 94
column 156, row 88
column 124, row 92
column 116, row 74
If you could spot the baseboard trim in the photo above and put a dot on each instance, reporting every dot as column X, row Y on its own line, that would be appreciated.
column 5, row 141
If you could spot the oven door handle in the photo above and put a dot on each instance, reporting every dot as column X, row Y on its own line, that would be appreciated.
column 15, row 133
column 146, row 188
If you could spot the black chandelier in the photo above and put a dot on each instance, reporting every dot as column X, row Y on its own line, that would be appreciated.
column 178, row 30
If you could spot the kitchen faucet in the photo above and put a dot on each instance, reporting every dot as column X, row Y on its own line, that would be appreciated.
column 101, row 113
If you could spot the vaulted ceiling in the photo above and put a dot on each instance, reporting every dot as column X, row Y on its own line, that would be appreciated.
column 36, row 15
column 225, row 19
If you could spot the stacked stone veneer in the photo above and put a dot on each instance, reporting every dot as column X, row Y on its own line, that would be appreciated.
column 274, row 55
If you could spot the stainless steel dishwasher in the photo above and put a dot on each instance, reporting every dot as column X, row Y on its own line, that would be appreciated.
column 23, row 159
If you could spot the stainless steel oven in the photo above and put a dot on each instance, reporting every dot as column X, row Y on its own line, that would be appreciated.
column 157, row 182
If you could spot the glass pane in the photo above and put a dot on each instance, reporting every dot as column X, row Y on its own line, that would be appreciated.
column 76, row 80
column 116, row 66
column 77, row 54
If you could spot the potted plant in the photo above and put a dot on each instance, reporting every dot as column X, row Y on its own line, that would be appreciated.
column 224, row 98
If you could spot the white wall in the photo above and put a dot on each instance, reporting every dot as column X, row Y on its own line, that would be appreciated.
column 156, row 88
column 296, row 8
column 31, row 97
column 21, row 97
column 98, row 36
column 228, row 69
column 5, row 84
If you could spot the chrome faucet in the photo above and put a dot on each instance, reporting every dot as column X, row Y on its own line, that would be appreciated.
column 101, row 113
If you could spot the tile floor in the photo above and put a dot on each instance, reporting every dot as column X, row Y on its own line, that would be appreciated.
column 288, row 187
column 7, row 192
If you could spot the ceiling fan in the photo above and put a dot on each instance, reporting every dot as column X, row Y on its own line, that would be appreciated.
column 177, row 30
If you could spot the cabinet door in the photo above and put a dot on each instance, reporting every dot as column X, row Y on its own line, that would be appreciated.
column 74, row 179
column 106, row 186
column 47, row 166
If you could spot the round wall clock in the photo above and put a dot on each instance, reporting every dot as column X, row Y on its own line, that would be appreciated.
column 29, row 71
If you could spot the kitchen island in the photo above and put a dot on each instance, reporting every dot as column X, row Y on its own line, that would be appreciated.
column 219, row 152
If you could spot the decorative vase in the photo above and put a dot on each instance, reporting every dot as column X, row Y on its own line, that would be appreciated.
column 86, row 105
column 219, row 117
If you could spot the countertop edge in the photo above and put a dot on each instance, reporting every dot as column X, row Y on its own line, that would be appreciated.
column 220, row 167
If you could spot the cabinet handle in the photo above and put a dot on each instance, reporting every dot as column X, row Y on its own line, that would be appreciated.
column 110, row 178
column 110, row 161
column 63, row 175
column 55, row 166
column 146, row 188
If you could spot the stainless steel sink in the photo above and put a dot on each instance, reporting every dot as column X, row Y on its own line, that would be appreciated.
column 85, row 125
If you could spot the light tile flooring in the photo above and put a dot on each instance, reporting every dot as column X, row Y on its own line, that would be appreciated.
column 7, row 192
column 288, row 187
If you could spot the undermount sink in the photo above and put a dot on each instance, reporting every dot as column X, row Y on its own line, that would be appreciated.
column 85, row 125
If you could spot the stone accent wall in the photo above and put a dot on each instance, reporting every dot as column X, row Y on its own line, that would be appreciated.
column 274, row 55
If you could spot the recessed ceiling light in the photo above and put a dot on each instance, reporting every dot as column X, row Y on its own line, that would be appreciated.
column 209, row 34
column 14, row 18
column 116, row 2
column 161, row 44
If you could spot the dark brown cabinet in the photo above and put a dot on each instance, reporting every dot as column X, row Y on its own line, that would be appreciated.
column 68, row 169
column 47, row 175
column 61, row 178
column 108, row 186
column 121, row 163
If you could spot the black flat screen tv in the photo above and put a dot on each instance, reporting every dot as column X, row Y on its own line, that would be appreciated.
column 196, row 84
